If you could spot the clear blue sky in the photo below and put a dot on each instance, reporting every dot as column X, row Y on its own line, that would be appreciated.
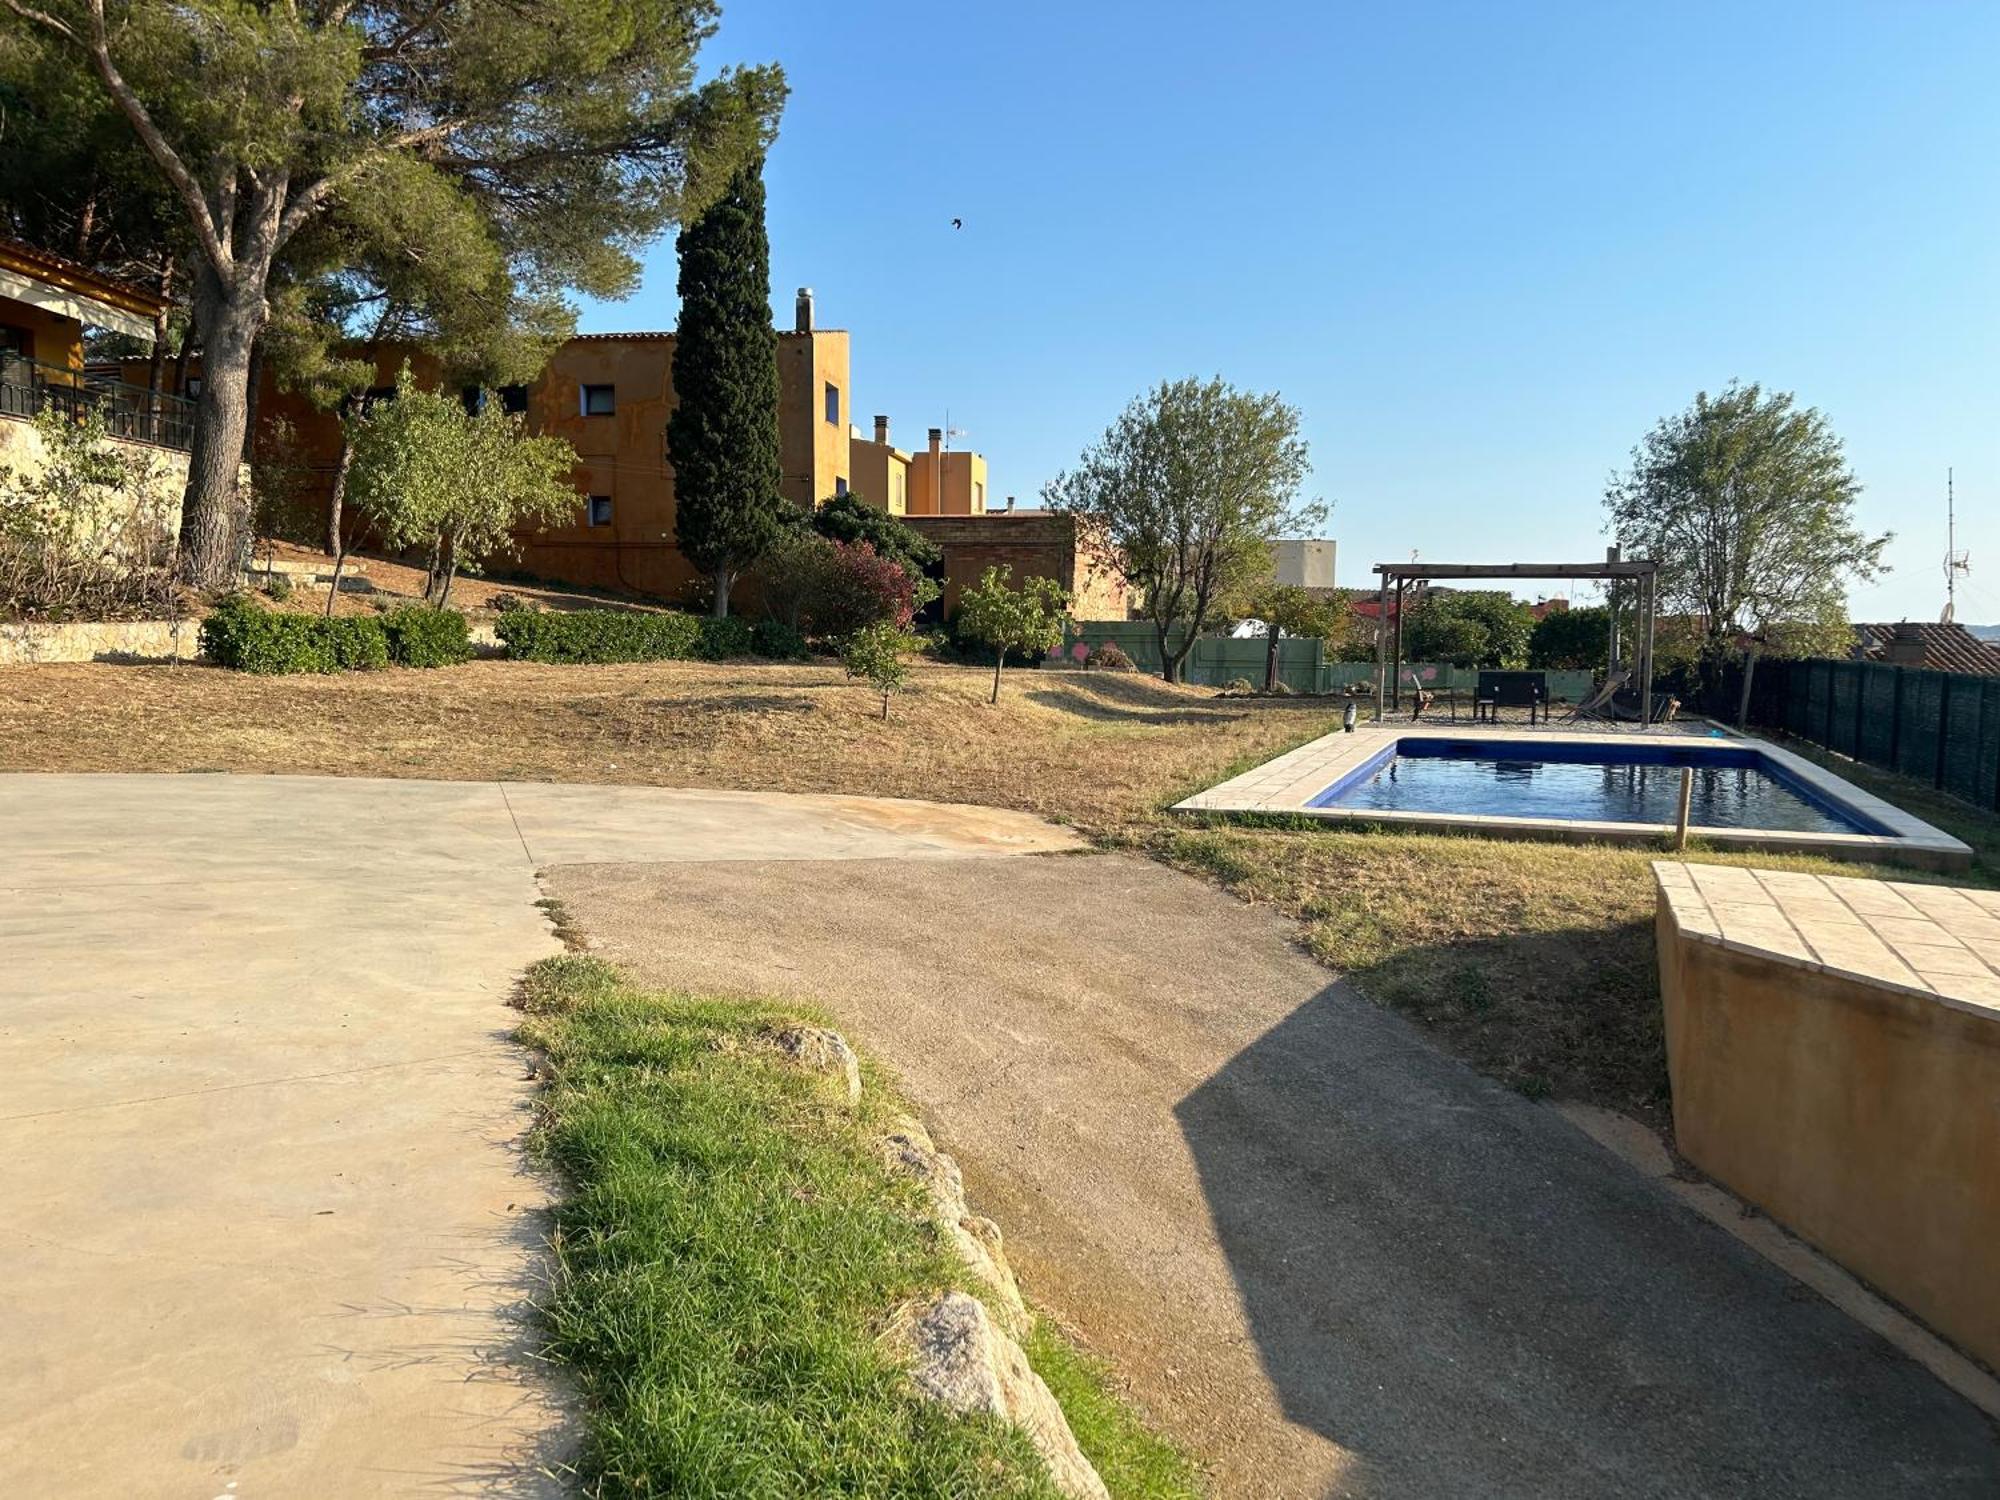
column 1483, row 247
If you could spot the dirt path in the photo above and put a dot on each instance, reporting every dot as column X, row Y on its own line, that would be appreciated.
column 1334, row 1260
column 267, row 1229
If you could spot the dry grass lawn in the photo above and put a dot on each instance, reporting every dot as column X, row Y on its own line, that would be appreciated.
column 1535, row 961
column 1094, row 749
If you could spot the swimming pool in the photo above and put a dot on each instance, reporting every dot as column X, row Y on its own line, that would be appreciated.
column 1734, row 786
column 1608, row 785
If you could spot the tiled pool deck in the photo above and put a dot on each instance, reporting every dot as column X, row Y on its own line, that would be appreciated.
column 1286, row 786
column 1940, row 942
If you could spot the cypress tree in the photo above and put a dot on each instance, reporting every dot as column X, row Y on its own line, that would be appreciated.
column 723, row 435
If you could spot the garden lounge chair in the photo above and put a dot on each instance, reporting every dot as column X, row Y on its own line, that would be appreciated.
column 1598, row 704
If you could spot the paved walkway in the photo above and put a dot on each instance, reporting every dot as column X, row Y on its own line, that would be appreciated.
column 266, row 1230
column 1337, row 1261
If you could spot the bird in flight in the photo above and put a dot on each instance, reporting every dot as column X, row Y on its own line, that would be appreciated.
column 958, row 223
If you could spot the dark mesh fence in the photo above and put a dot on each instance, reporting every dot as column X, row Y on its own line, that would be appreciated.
column 1940, row 727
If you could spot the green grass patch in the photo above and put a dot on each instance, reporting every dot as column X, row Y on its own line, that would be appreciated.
column 1130, row 1458
column 729, row 1249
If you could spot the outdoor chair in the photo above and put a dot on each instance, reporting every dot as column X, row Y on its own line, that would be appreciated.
column 1498, row 690
column 1598, row 704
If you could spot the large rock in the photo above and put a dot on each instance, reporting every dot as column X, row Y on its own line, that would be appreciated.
column 961, row 1359
column 908, row 1149
column 818, row 1050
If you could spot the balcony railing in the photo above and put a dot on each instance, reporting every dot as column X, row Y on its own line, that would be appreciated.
column 28, row 388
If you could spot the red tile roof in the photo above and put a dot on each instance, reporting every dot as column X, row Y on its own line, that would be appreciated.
column 1940, row 648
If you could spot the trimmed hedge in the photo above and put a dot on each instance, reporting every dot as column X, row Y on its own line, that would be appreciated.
column 239, row 635
column 611, row 635
column 598, row 635
column 423, row 637
column 722, row 639
column 777, row 640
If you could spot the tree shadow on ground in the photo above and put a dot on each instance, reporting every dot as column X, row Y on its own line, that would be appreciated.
column 1471, row 1298
column 1573, row 1013
column 1085, row 706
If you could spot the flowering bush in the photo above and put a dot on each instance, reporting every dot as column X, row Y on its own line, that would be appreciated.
column 1111, row 657
column 853, row 586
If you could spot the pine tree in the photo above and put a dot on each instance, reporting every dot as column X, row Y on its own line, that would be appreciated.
column 723, row 434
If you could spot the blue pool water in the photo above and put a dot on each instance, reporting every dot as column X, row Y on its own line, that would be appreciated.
column 1734, row 787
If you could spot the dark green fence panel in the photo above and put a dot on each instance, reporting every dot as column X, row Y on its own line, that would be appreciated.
column 1843, row 707
column 1819, row 701
column 1917, row 731
column 1876, row 741
column 1989, row 744
column 1798, row 694
column 1939, row 727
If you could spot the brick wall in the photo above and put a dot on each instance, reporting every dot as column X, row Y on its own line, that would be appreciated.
column 1035, row 544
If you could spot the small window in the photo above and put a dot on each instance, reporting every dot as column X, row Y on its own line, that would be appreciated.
column 600, row 510
column 839, row 487
column 193, row 388
column 514, row 399
column 600, row 400
column 833, row 403
column 473, row 399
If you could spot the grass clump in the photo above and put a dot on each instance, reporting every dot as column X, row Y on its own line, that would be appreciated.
column 730, row 1248
column 1130, row 1458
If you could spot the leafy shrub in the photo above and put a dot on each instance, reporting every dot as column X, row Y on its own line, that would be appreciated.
column 422, row 637
column 724, row 638
column 355, row 644
column 239, row 635
column 849, row 518
column 599, row 635
column 875, row 653
column 855, row 587
column 777, row 640
column 278, row 586
column 1110, row 657
column 89, row 531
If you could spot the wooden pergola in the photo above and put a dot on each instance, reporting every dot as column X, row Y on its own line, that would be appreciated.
column 1403, row 575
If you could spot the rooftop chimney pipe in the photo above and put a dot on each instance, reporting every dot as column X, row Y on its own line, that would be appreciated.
column 882, row 431
column 937, row 438
column 802, row 311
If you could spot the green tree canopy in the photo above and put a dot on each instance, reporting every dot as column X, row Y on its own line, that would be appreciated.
column 723, row 435
column 1569, row 640
column 1747, row 504
column 1476, row 629
column 561, row 136
column 434, row 476
column 850, row 518
column 1028, row 618
column 1286, row 609
column 1187, row 490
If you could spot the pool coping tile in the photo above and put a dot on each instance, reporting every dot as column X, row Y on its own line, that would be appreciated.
column 1285, row 786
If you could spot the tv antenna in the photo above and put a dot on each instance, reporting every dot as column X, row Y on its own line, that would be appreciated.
column 1955, row 561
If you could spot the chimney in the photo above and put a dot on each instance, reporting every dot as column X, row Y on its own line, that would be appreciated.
column 882, row 431
column 937, row 439
column 1905, row 646
column 1010, row 502
column 802, row 311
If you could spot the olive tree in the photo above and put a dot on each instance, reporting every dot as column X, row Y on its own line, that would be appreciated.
column 1187, row 490
column 1747, row 504
column 454, row 483
column 1029, row 618
column 1286, row 609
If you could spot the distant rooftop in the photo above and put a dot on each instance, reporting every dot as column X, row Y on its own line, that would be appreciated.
column 1937, row 647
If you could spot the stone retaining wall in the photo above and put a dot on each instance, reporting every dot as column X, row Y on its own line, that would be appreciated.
column 114, row 640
